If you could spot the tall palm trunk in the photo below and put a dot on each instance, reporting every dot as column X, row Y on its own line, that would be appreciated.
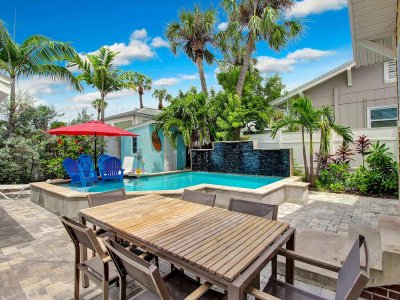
column 12, row 108
column 102, row 96
column 304, row 154
column 140, row 90
column 319, row 161
column 200, row 66
column 245, row 66
column 160, row 104
column 312, row 177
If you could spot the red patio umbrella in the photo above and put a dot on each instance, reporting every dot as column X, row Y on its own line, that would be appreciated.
column 94, row 128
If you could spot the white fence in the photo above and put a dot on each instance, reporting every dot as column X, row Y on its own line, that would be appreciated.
column 387, row 135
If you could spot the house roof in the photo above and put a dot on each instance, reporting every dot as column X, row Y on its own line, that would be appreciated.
column 373, row 29
column 314, row 82
column 147, row 111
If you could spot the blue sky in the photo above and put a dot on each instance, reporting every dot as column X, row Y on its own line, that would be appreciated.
column 136, row 29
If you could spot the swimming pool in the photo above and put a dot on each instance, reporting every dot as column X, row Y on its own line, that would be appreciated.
column 182, row 180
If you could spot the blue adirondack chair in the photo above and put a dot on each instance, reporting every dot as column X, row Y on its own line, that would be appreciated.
column 100, row 161
column 87, row 173
column 71, row 168
column 112, row 170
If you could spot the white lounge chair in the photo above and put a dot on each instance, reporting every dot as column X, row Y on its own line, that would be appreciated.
column 12, row 187
column 127, row 165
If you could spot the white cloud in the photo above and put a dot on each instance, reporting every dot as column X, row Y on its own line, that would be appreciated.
column 42, row 86
column 267, row 64
column 135, row 49
column 174, row 80
column 166, row 81
column 308, row 7
column 159, row 42
column 189, row 77
column 308, row 54
column 222, row 26
column 89, row 97
column 139, row 34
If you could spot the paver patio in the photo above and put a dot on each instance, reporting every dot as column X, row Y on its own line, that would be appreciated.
column 36, row 254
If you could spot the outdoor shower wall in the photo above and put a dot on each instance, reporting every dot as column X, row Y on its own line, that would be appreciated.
column 242, row 158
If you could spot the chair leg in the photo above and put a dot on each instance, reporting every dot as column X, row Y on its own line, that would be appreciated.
column 156, row 261
column 122, row 288
column 274, row 267
column 77, row 273
column 105, row 287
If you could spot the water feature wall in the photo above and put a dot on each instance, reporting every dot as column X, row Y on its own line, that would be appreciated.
column 242, row 158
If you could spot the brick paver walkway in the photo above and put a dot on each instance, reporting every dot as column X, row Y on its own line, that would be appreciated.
column 335, row 212
column 36, row 254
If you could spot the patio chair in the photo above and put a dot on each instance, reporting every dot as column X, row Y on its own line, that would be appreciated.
column 198, row 197
column 268, row 211
column 87, row 173
column 351, row 277
column 100, row 161
column 98, row 268
column 127, row 165
column 96, row 199
column 175, row 285
column 71, row 168
column 112, row 170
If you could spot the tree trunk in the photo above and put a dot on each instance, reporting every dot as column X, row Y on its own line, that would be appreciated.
column 304, row 154
column 245, row 66
column 319, row 158
column 98, row 113
column 102, row 107
column 12, row 108
column 140, row 99
column 200, row 66
column 312, row 177
column 160, row 104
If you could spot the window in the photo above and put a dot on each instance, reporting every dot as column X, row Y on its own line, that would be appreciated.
column 134, row 144
column 389, row 71
column 382, row 116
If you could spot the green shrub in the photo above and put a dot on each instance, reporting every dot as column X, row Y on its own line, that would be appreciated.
column 333, row 174
column 337, row 187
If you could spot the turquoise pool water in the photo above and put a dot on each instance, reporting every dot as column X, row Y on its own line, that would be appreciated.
column 181, row 180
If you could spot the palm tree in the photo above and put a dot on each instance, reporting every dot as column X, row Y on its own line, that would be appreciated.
column 97, row 105
column 310, row 119
column 37, row 55
column 99, row 72
column 326, row 124
column 192, row 34
column 161, row 94
column 263, row 19
column 137, row 82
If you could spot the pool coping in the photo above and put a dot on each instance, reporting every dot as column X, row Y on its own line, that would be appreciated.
column 54, row 187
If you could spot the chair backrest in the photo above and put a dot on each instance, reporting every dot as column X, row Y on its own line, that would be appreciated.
column 351, row 278
column 81, row 234
column 85, row 163
column 97, row 199
column 198, row 197
column 70, row 165
column 128, row 163
column 128, row 263
column 111, row 163
column 101, row 159
column 254, row 208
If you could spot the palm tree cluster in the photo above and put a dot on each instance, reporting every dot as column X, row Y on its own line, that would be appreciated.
column 302, row 114
column 36, row 56
column 161, row 95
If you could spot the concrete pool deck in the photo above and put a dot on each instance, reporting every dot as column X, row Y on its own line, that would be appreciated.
column 62, row 200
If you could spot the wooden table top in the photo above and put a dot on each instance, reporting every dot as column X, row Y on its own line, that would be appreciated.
column 215, row 239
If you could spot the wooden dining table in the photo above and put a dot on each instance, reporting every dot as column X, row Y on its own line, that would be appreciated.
column 228, row 249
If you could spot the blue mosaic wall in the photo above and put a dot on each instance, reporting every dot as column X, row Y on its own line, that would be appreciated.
column 241, row 158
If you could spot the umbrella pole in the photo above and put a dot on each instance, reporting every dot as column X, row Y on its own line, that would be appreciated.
column 95, row 151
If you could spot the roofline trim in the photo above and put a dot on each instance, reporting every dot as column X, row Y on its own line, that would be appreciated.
column 314, row 82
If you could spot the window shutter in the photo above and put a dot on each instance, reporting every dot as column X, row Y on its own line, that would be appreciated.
column 389, row 69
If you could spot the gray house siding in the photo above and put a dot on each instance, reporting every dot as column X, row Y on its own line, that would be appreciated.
column 368, row 89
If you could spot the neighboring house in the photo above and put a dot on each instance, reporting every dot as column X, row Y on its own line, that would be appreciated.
column 363, row 93
column 5, row 87
column 141, row 122
column 360, row 97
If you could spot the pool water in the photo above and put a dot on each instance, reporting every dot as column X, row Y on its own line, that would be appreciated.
column 181, row 180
